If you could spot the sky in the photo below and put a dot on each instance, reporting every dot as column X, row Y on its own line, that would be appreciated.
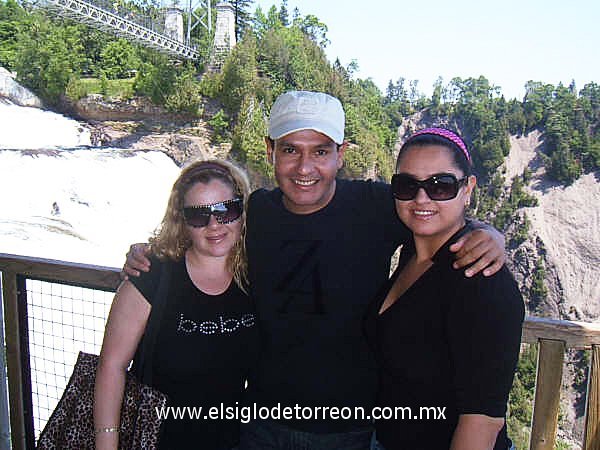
column 509, row 42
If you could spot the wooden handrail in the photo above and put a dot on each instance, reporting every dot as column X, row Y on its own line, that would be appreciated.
column 575, row 335
column 86, row 275
column 554, row 337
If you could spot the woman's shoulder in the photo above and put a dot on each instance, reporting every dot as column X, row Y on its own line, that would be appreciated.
column 497, row 292
column 147, row 283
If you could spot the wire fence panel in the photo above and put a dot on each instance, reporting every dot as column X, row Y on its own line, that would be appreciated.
column 63, row 320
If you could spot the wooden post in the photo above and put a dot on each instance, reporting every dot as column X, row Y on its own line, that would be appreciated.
column 551, row 357
column 591, row 439
column 13, row 359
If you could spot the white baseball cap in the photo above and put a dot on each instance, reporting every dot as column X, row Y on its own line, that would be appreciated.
column 305, row 110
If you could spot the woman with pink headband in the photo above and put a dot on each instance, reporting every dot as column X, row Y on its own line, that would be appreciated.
column 447, row 344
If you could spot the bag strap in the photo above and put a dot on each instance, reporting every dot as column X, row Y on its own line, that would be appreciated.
column 142, row 362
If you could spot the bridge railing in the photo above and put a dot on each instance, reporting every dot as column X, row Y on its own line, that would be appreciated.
column 53, row 309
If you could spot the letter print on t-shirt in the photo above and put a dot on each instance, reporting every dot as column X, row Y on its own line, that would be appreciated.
column 220, row 324
column 301, row 285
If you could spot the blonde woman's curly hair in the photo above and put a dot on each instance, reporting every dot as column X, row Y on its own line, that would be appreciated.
column 171, row 238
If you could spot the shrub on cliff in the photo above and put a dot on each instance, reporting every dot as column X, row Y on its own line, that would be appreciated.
column 185, row 95
column 48, row 56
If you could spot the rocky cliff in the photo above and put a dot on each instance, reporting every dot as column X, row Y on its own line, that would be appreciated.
column 564, row 233
column 16, row 93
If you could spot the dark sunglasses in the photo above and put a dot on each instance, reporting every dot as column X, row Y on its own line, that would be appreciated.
column 224, row 212
column 439, row 187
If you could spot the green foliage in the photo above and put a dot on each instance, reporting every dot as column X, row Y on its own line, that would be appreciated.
column 103, row 83
column 155, row 79
column 570, row 126
column 243, row 17
column 185, row 95
column 538, row 290
column 518, row 197
column 211, row 85
column 75, row 89
column 520, row 403
column 220, row 125
column 239, row 77
column 314, row 29
column 118, row 59
column 93, row 42
column 111, row 88
column 283, row 13
column 13, row 20
column 248, row 136
column 48, row 56
column 397, row 103
column 521, row 232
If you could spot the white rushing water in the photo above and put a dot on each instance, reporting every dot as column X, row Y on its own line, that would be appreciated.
column 32, row 128
column 81, row 204
column 84, row 204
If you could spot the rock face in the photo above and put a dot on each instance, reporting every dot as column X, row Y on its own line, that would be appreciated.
column 95, row 107
column 567, row 221
column 564, row 232
column 16, row 93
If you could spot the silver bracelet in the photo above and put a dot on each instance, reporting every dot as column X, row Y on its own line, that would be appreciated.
column 107, row 430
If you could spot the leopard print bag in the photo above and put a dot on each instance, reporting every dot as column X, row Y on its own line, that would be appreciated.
column 71, row 426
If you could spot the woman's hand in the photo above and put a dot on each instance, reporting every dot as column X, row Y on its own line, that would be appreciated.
column 482, row 247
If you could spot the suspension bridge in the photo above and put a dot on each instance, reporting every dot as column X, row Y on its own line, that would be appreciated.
column 161, row 29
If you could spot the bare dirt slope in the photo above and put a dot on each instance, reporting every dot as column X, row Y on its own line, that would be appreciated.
column 567, row 220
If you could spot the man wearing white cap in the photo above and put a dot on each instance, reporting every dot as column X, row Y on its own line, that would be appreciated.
column 319, row 249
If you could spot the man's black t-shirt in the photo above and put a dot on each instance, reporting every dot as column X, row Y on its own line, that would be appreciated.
column 312, row 277
column 448, row 342
column 205, row 347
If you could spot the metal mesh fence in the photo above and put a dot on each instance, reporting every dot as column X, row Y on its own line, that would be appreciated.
column 63, row 320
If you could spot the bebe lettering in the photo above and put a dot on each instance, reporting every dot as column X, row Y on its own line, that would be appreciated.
column 221, row 325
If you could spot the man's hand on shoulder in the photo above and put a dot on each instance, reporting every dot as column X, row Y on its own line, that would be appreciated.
column 482, row 247
column 137, row 260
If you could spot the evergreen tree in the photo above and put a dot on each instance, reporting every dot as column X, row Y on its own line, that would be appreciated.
column 13, row 20
column 239, row 77
column 243, row 17
column 283, row 13
column 155, row 78
column 248, row 136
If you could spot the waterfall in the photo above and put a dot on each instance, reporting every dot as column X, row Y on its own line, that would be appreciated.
column 81, row 204
column 23, row 127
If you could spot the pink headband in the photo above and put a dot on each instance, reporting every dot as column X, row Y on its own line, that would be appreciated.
column 447, row 134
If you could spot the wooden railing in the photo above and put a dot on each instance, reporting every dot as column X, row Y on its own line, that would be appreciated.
column 553, row 336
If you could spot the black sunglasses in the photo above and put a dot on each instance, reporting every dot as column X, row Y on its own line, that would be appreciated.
column 439, row 187
column 224, row 212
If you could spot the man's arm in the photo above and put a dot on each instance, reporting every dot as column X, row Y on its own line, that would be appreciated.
column 137, row 260
column 482, row 247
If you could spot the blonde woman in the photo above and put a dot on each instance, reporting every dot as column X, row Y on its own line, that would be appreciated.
column 207, row 337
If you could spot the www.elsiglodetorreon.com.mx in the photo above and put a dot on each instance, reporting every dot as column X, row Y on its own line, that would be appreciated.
column 247, row 413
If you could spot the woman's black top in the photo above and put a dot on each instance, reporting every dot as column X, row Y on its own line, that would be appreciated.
column 205, row 346
column 448, row 346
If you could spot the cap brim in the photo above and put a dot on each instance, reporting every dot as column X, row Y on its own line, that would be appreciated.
column 279, row 132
